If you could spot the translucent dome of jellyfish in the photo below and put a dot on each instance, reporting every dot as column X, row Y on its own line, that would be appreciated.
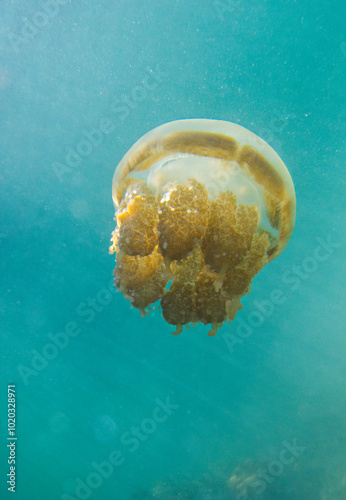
column 201, row 206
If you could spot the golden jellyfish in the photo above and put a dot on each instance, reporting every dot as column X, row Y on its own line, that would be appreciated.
column 201, row 206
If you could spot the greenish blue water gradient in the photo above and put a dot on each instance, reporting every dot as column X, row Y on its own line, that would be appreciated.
column 276, row 67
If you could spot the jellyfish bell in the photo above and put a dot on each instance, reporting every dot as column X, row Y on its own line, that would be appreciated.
column 201, row 205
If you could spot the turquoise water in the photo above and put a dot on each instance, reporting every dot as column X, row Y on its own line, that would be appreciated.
column 119, row 408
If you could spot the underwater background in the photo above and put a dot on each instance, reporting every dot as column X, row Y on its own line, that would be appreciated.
column 110, row 405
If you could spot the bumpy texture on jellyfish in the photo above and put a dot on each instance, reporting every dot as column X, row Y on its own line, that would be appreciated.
column 201, row 207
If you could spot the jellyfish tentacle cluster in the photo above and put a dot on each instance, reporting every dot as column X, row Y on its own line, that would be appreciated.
column 201, row 207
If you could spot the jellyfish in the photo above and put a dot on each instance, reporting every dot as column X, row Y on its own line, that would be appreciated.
column 200, row 207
